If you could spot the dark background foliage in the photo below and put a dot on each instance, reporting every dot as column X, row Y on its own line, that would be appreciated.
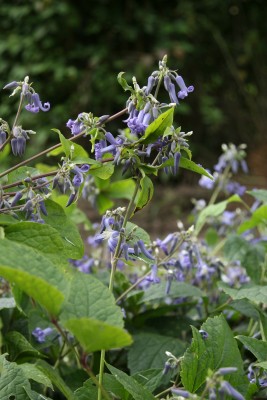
column 73, row 51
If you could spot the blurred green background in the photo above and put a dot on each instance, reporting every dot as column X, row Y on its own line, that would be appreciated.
column 73, row 50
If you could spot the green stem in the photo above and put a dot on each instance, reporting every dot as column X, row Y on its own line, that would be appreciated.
column 218, row 187
column 132, row 287
column 113, row 271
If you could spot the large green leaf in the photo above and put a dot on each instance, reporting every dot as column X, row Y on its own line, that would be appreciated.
column 259, row 194
column 148, row 351
column 150, row 378
column 138, row 391
column 42, row 237
column 255, row 293
column 34, row 373
column 218, row 350
column 87, row 392
column 214, row 210
column 255, row 346
column 88, row 297
column 69, row 148
column 72, row 241
column 157, row 127
column 134, row 233
column 14, row 383
column 95, row 335
column 33, row 273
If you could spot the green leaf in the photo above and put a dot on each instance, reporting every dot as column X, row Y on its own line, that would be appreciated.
column 134, row 233
column 71, row 239
column 255, row 293
column 259, row 217
column 148, row 351
column 13, row 381
column 145, row 193
column 54, row 377
column 138, row 391
column 121, row 189
column 191, row 166
column 34, row 373
column 95, row 335
column 214, row 210
column 217, row 351
column 88, row 297
column 42, row 237
column 259, row 194
column 158, row 126
column 87, row 392
column 150, row 378
column 178, row 289
column 103, row 203
column 262, row 365
column 235, row 248
column 19, row 346
column 21, row 173
column 124, row 83
column 102, row 171
column 255, row 346
column 70, row 148
column 33, row 273
column 114, row 387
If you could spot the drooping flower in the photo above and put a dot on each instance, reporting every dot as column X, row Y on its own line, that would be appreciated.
column 35, row 104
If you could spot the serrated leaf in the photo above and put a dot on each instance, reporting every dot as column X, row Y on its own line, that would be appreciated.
column 157, row 127
column 214, row 210
column 148, row 351
column 72, row 241
column 178, row 289
column 54, row 377
column 42, row 237
column 255, row 293
column 88, row 297
column 255, row 346
column 13, row 382
column 218, row 350
column 18, row 346
column 95, row 335
column 145, row 193
column 33, row 273
column 138, row 391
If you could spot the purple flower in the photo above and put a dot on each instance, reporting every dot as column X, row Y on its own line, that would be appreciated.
column 11, row 85
column 75, row 126
column 2, row 137
column 226, row 370
column 180, row 392
column 204, row 334
column 228, row 217
column 35, row 104
column 18, row 145
column 235, row 188
column 228, row 389
column 40, row 334
column 206, row 182
column 184, row 89
column 84, row 265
